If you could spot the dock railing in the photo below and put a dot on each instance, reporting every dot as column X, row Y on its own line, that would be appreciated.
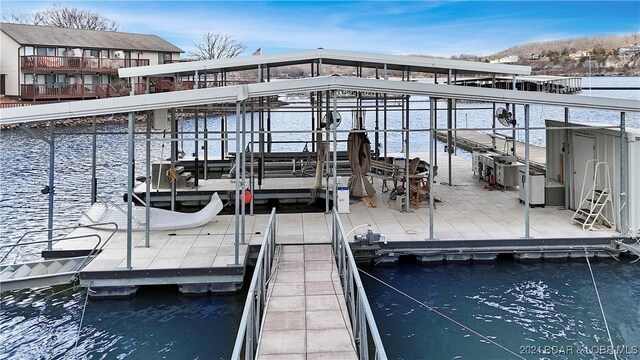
column 254, row 308
column 355, row 297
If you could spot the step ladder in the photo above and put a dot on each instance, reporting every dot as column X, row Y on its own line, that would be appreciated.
column 595, row 202
column 40, row 273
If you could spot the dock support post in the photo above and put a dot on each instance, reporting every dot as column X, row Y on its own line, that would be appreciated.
column 405, row 115
column 244, row 171
column 527, row 190
column 94, row 179
column 449, row 135
column 565, row 159
column 434, row 138
column 376, row 150
column 148, row 183
column 493, row 115
column 174, row 155
column 205, row 168
column 384, row 113
column 449, row 127
column 131, row 163
column 52, row 162
column 623, row 174
column 432, row 156
column 335, row 149
column 251, row 178
column 196, row 164
column 237, row 198
column 326, row 152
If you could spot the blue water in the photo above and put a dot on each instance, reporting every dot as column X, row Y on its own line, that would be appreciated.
column 158, row 323
column 536, row 310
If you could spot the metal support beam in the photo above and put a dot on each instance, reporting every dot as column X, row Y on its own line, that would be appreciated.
column 335, row 149
column 405, row 115
column 237, row 196
column 52, row 162
column 527, row 181
column 251, row 178
column 148, row 181
column 131, row 164
column 196, row 164
column 174, row 155
column 205, row 168
column 94, row 145
column 244, row 170
column 449, row 136
column 432, row 156
column 623, row 175
column 566, row 151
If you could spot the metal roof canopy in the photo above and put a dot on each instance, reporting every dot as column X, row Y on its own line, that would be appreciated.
column 186, row 98
column 328, row 57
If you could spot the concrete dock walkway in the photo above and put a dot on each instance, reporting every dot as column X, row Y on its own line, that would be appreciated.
column 306, row 315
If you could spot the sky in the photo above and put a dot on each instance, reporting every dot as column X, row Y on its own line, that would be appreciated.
column 437, row 28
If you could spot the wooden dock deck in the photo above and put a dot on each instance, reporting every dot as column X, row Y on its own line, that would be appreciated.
column 470, row 139
column 306, row 315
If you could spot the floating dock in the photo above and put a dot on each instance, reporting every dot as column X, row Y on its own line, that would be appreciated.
column 473, row 139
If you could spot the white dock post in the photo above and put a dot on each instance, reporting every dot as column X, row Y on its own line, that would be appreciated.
column 94, row 180
column 432, row 156
column 131, row 164
column 52, row 162
column 147, row 199
column 237, row 201
column 334, row 121
column 623, row 174
column 565, row 159
column 244, row 171
column 527, row 190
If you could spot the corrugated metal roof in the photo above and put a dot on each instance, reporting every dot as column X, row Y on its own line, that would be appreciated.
column 330, row 57
column 38, row 113
column 53, row 36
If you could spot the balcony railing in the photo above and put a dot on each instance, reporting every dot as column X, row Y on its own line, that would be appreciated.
column 68, row 63
column 77, row 91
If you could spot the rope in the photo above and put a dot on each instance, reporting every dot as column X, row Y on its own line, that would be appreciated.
column 172, row 174
column 442, row 314
column 84, row 308
column 586, row 256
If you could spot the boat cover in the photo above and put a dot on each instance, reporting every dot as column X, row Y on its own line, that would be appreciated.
column 160, row 219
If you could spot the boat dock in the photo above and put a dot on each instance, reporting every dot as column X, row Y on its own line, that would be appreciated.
column 305, row 280
column 202, row 259
column 473, row 139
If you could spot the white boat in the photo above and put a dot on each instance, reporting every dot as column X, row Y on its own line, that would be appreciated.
column 159, row 219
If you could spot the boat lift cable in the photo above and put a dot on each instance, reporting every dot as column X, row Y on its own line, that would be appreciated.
column 443, row 315
column 586, row 256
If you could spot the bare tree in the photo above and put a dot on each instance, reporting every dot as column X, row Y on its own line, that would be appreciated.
column 64, row 17
column 217, row 46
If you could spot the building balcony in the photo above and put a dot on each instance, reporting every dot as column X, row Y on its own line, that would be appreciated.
column 77, row 64
column 77, row 91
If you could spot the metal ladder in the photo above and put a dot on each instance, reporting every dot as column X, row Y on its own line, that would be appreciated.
column 42, row 273
column 591, row 211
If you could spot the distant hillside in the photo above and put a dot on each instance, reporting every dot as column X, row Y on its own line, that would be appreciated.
column 609, row 43
column 598, row 55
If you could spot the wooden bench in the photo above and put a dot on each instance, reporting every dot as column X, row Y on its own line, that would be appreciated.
column 385, row 171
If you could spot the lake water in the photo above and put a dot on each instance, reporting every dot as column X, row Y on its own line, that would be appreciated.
column 158, row 323
column 538, row 310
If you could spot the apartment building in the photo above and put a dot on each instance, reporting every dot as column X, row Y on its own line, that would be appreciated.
column 47, row 63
